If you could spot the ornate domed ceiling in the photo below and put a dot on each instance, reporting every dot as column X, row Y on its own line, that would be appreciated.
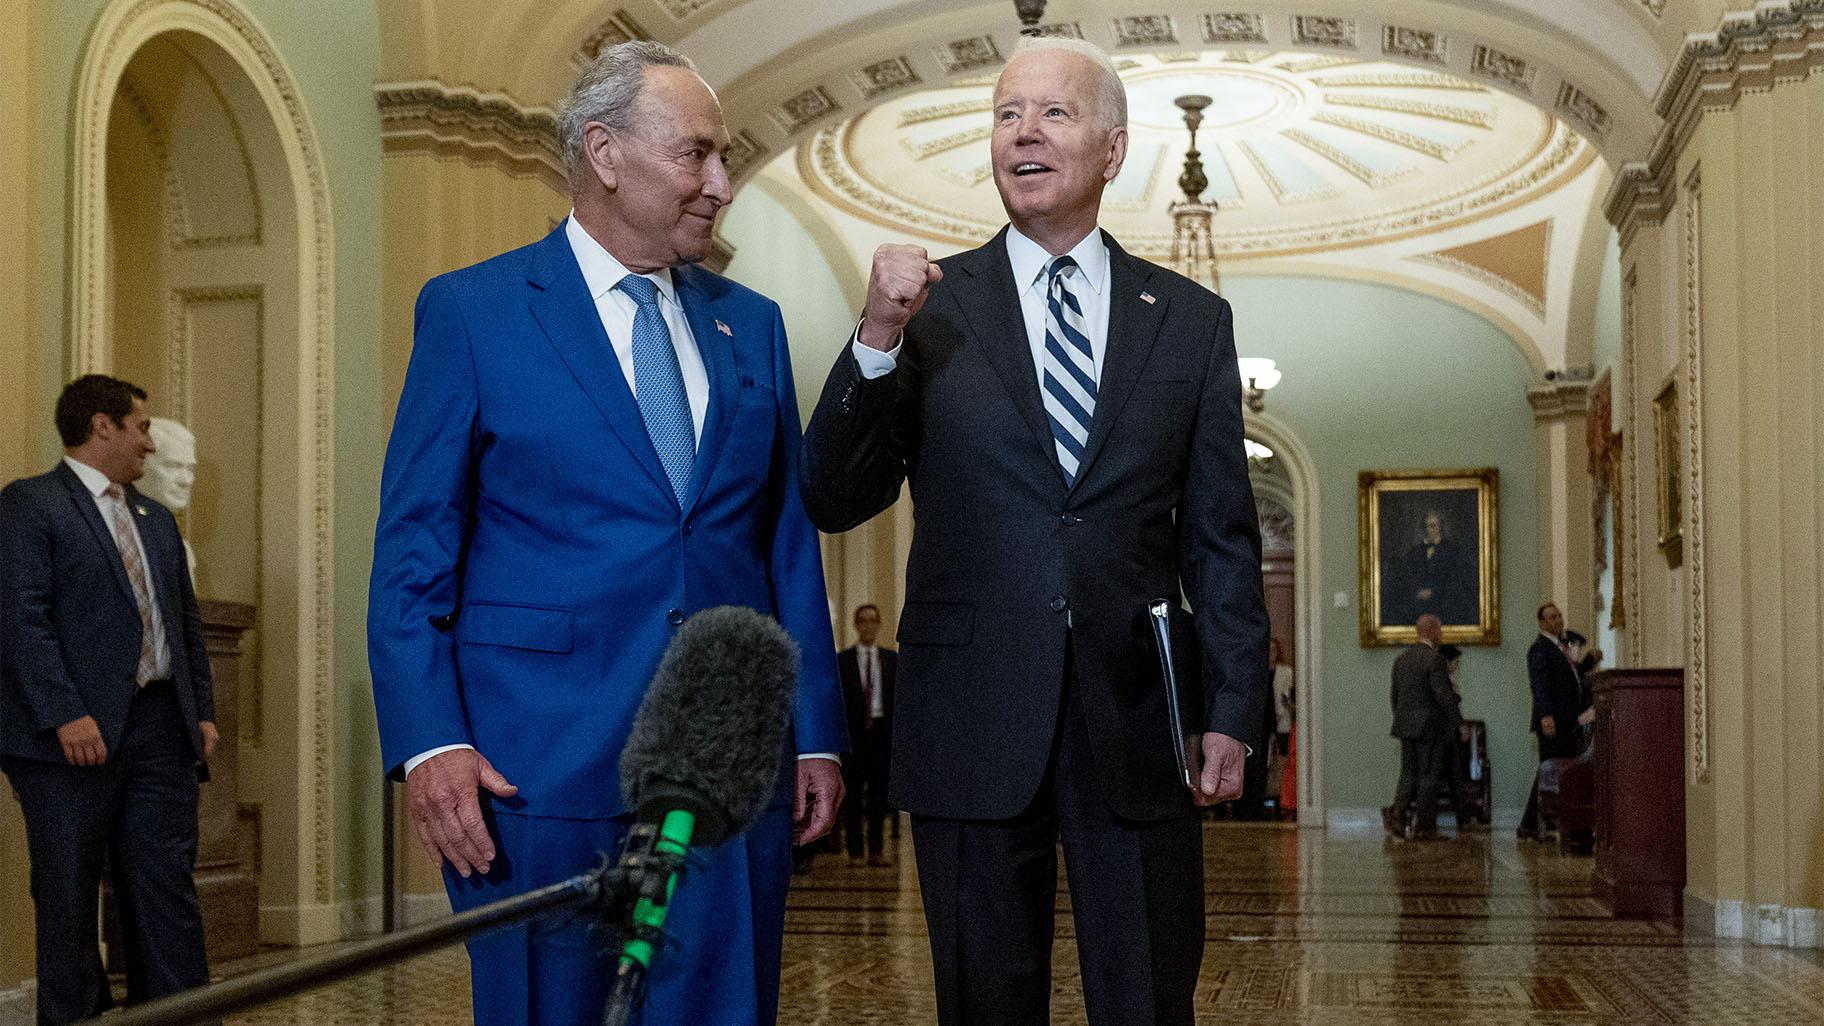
column 1303, row 152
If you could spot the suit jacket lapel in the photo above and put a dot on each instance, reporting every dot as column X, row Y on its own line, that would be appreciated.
column 1133, row 327
column 564, row 309
column 701, row 294
column 990, row 301
column 85, row 505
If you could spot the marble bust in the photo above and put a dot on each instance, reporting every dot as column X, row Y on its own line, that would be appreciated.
column 171, row 471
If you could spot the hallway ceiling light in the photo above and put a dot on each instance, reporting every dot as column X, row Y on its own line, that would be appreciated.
column 1257, row 375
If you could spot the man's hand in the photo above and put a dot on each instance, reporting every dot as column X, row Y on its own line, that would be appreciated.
column 442, row 793
column 82, row 743
column 1586, row 717
column 1548, row 726
column 210, row 737
column 898, row 285
column 1223, row 757
column 819, row 794
column 1463, row 732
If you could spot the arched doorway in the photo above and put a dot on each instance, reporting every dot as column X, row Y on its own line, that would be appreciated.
column 200, row 269
column 1288, row 488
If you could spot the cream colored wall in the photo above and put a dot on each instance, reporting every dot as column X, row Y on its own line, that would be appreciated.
column 22, row 437
column 1724, row 301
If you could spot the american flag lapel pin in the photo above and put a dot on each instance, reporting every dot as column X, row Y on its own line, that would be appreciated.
column 141, row 510
column 724, row 329
column 1148, row 296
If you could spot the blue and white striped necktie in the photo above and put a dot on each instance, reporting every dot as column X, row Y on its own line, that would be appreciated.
column 658, row 384
column 1070, row 368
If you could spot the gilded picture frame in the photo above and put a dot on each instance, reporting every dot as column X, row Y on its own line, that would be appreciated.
column 1668, row 451
column 1429, row 541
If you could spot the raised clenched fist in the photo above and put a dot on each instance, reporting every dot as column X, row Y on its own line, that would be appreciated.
column 898, row 285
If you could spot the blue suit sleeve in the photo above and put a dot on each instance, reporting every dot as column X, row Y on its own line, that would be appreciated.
column 1539, row 676
column 797, row 577
column 26, row 583
column 426, row 498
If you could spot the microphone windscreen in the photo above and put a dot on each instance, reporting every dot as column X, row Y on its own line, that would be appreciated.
column 710, row 733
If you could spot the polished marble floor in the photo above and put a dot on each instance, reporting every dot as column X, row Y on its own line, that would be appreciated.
column 1303, row 927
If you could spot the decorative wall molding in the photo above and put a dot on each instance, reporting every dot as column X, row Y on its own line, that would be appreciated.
column 1697, row 632
column 882, row 77
column 1560, row 400
column 802, row 110
column 619, row 28
column 1778, row 42
column 1628, row 579
column 119, row 32
column 1778, row 926
column 1312, row 30
column 1575, row 104
column 973, row 54
column 1414, row 44
column 1505, row 68
column 443, row 120
column 1532, row 303
column 1061, row 30
column 1234, row 28
column 1145, row 30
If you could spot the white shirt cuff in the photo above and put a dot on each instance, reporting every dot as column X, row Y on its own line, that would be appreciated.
column 832, row 756
column 412, row 763
column 873, row 362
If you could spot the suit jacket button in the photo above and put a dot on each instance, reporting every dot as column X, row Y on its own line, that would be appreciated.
column 675, row 617
column 1058, row 603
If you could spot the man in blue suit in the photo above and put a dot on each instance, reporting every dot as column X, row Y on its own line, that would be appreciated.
column 596, row 439
column 106, row 706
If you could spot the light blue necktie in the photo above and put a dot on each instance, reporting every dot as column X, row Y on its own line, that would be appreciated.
column 658, row 385
column 1070, row 368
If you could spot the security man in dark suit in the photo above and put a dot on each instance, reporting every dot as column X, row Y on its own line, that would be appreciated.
column 1560, row 704
column 106, row 707
column 1069, row 420
column 868, row 675
column 1425, row 717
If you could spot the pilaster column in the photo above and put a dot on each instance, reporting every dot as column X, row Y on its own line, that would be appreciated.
column 1559, row 406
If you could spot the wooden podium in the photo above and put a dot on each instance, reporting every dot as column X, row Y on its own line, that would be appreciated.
column 226, row 886
column 1640, row 791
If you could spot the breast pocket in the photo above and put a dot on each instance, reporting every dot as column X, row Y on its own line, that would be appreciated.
column 535, row 628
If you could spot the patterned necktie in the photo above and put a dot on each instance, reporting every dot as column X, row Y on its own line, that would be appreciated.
column 125, row 539
column 1070, row 368
column 658, row 385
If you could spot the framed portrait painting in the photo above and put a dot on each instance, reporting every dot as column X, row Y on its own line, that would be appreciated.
column 1429, row 543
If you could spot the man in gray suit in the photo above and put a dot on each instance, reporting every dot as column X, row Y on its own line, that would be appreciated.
column 1424, row 717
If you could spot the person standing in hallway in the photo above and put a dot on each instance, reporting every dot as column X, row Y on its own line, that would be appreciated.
column 107, row 709
column 1069, row 420
column 868, row 674
column 1425, row 718
column 1560, row 704
column 596, row 440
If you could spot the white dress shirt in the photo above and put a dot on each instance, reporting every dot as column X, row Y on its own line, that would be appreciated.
column 97, row 483
column 601, row 273
column 1029, row 261
column 867, row 661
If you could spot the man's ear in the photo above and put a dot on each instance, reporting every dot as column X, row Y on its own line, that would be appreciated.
column 602, row 153
column 101, row 426
column 1117, row 153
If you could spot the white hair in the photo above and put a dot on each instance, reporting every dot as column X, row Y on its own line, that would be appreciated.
column 609, row 90
column 1113, row 105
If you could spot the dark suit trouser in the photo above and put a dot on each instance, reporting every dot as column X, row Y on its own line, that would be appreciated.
column 138, row 813
column 990, row 894
column 1421, row 777
column 865, row 779
column 1564, row 746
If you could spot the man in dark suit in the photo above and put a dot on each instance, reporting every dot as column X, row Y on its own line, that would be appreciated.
column 868, row 674
column 1069, row 420
column 106, row 707
column 1425, row 717
column 1560, row 704
column 1433, row 577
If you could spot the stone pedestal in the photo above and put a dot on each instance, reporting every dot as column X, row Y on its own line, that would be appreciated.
column 226, row 882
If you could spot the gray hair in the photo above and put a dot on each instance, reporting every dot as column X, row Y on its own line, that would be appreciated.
column 1113, row 105
column 609, row 90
